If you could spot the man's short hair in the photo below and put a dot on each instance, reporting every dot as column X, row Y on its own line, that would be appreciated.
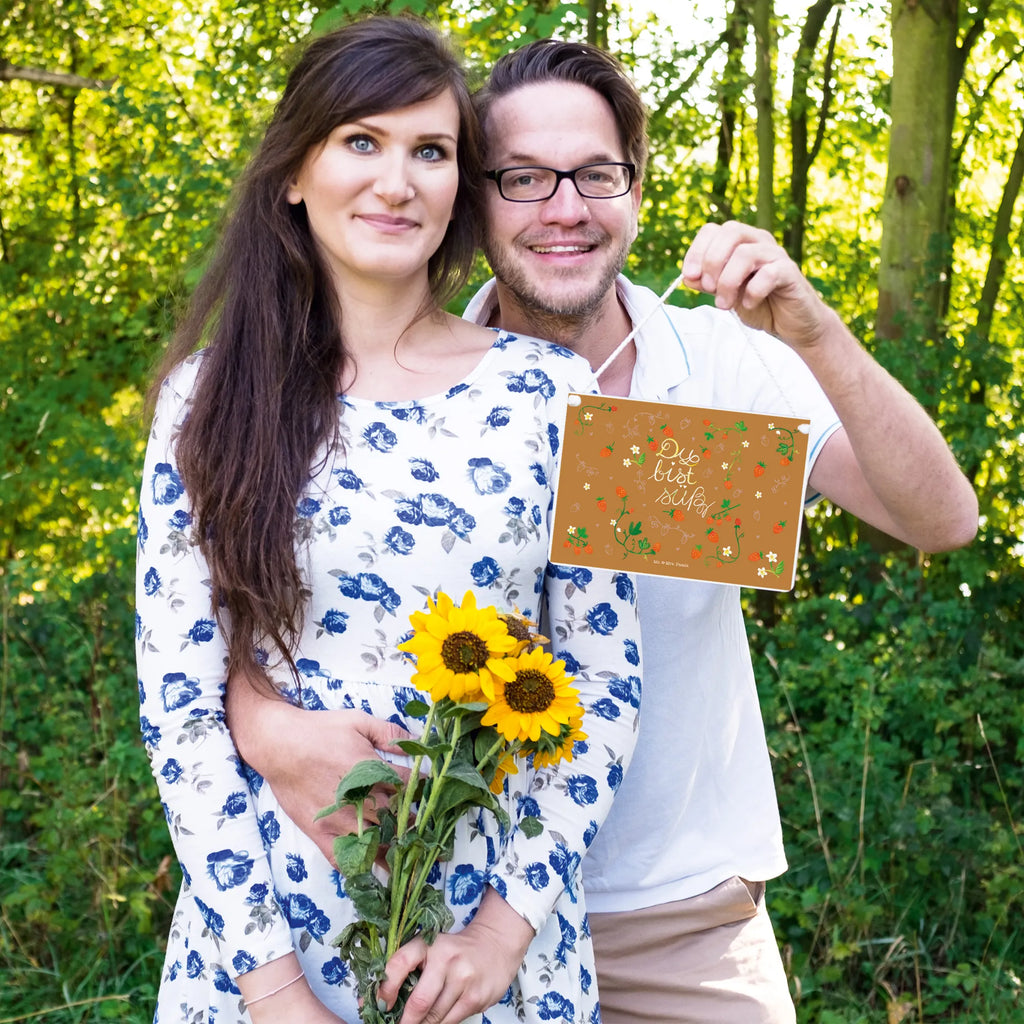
column 554, row 60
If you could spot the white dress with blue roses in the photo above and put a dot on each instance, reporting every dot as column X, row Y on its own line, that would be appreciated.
column 452, row 492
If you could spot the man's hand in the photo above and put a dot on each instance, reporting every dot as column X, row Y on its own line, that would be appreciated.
column 464, row 973
column 749, row 272
column 304, row 754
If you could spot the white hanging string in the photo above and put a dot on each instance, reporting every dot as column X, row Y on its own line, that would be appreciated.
column 637, row 328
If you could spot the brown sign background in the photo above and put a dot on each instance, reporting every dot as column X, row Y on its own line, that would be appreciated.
column 670, row 490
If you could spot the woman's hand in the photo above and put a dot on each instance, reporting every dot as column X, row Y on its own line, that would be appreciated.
column 304, row 754
column 464, row 973
column 294, row 1003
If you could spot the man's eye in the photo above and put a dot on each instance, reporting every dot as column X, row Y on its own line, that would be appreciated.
column 523, row 180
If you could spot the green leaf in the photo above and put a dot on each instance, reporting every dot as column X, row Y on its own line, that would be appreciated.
column 355, row 854
column 531, row 826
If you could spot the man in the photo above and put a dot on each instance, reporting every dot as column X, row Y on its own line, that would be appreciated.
column 675, row 879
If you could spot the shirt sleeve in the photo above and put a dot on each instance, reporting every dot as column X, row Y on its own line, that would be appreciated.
column 591, row 618
column 181, row 655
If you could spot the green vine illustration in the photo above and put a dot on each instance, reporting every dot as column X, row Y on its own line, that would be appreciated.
column 724, row 553
column 787, row 443
column 631, row 537
column 585, row 413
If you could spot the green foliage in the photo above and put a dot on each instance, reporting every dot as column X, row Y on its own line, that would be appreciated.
column 891, row 687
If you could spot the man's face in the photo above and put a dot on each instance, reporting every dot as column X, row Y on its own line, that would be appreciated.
column 558, row 256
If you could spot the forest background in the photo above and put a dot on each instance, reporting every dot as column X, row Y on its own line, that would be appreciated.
column 882, row 143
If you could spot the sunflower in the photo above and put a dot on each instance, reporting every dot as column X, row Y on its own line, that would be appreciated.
column 550, row 750
column 506, row 766
column 536, row 698
column 522, row 629
column 459, row 649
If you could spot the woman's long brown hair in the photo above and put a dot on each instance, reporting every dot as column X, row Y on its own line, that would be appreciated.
column 265, row 401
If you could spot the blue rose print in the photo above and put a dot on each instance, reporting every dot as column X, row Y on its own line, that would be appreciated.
column 339, row 516
column 582, row 789
column 222, row 982
column 465, row 885
column 553, row 441
column 567, row 943
column 335, row 971
column 334, row 621
column 615, row 777
column 400, row 541
column 498, row 417
column 229, row 868
column 409, row 510
column 410, row 413
column 180, row 520
column 347, row 479
column 151, row 582
column 539, row 474
column 488, row 477
column 194, row 965
column 235, row 805
column 515, row 506
column 624, row 589
column 302, row 912
column 244, row 962
column 210, row 917
column 632, row 652
column 150, row 732
column 167, row 485
column 172, row 771
column 456, row 390
column 590, row 834
column 380, row 437
column 528, row 807
column 257, row 895
column 461, row 523
column 606, row 708
column 627, row 690
column 536, row 515
column 554, row 1006
column 437, row 509
column 270, row 828
column 296, row 867
column 572, row 666
column 485, row 572
column 178, row 691
column 585, row 979
column 602, row 619
column 537, row 876
column 142, row 530
column 307, row 508
column 423, row 470
column 577, row 575
column 202, row 631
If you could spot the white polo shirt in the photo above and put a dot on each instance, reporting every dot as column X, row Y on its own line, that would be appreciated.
column 698, row 803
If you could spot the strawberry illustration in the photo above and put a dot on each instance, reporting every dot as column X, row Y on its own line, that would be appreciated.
column 779, row 526
column 713, row 535
column 759, row 469
column 602, row 504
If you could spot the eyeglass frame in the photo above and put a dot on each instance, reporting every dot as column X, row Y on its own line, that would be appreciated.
column 560, row 176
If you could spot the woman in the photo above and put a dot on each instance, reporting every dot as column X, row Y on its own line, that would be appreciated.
column 339, row 450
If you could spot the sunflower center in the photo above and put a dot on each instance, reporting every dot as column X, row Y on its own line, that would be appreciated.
column 464, row 652
column 530, row 691
column 518, row 628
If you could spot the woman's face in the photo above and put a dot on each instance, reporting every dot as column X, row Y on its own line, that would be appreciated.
column 379, row 191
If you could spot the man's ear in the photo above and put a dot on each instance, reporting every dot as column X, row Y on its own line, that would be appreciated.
column 636, row 194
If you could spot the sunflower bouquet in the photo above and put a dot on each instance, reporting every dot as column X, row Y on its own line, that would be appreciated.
column 496, row 697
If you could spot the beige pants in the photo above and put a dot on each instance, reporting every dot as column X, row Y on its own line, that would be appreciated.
column 710, row 959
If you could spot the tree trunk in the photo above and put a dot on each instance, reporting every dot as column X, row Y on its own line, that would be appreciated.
column 916, row 207
column 764, row 95
column 803, row 152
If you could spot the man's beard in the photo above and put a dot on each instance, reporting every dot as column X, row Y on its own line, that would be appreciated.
column 559, row 314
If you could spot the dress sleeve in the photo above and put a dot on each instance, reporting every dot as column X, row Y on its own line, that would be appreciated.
column 181, row 656
column 592, row 620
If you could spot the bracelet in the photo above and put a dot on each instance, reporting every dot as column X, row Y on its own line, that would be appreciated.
column 274, row 991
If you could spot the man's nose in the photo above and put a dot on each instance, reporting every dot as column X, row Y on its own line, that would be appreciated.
column 566, row 205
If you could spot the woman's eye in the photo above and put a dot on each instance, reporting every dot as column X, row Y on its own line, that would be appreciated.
column 433, row 152
column 360, row 143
